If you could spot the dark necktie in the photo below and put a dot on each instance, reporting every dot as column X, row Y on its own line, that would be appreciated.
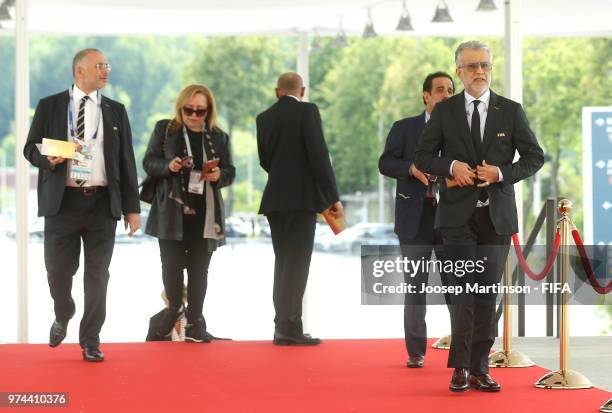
column 81, row 128
column 81, row 118
column 477, row 140
column 475, row 129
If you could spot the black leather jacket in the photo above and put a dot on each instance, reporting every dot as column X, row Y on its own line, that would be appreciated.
column 166, row 216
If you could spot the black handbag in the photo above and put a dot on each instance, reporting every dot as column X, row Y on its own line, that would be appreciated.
column 147, row 190
column 147, row 187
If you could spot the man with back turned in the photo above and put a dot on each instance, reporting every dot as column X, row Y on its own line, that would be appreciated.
column 301, row 182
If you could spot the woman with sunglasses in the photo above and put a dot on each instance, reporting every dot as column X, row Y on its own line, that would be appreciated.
column 189, row 157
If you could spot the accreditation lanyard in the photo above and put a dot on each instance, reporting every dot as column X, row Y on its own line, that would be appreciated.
column 82, row 165
column 196, row 184
column 72, row 126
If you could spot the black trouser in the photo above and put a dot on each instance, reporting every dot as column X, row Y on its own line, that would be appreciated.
column 292, row 239
column 473, row 322
column 190, row 254
column 420, row 247
column 87, row 218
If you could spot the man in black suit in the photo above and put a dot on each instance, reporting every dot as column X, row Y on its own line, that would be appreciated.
column 301, row 183
column 83, row 200
column 471, row 139
column 415, row 208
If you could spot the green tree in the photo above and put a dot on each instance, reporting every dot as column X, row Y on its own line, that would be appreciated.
column 321, row 61
column 554, row 94
column 242, row 72
column 351, row 112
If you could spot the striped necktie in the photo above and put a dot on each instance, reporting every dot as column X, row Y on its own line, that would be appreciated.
column 81, row 129
column 81, row 118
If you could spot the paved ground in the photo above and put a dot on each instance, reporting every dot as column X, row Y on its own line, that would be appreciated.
column 591, row 356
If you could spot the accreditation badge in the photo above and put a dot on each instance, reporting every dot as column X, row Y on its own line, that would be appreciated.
column 196, row 184
column 81, row 165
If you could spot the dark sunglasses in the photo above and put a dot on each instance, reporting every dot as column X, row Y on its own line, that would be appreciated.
column 197, row 112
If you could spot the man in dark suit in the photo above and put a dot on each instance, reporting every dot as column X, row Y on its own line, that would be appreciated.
column 471, row 139
column 415, row 208
column 301, row 183
column 83, row 200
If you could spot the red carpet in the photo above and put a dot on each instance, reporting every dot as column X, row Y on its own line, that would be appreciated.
column 338, row 376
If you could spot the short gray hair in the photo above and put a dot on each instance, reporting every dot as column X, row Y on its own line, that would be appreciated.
column 472, row 44
column 80, row 56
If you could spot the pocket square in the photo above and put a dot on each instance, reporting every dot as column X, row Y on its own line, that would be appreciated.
column 115, row 128
column 501, row 134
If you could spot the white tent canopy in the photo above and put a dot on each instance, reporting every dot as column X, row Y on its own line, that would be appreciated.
column 228, row 17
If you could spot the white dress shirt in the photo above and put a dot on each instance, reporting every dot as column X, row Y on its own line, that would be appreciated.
column 98, row 172
column 483, row 109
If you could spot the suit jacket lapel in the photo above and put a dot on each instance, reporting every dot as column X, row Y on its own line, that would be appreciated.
column 419, row 125
column 109, row 136
column 62, row 132
column 493, row 112
column 458, row 109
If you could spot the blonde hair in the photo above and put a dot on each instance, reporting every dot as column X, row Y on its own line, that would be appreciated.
column 185, row 95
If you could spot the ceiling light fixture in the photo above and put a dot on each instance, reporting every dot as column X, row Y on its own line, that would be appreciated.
column 486, row 5
column 369, row 31
column 4, row 13
column 340, row 40
column 404, row 24
column 442, row 14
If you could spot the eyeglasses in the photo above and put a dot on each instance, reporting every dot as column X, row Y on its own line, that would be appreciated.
column 194, row 112
column 472, row 67
column 102, row 66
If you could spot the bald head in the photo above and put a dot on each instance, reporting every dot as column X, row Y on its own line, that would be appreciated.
column 290, row 83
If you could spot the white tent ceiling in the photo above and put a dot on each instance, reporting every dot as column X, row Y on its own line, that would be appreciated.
column 222, row 17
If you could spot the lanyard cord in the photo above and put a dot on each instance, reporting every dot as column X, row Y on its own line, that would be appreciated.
column 71, row 109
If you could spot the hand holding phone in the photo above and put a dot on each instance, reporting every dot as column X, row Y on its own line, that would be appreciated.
column 210, row 171
column 209, row 166
column 187, row 162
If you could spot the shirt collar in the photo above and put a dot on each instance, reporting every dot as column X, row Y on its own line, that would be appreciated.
column 78, row 95
column 484, row 99
column 427, row 116
column 294, row 97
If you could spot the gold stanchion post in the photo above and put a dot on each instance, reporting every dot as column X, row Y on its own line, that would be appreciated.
column 564, row 378
column 508, row 357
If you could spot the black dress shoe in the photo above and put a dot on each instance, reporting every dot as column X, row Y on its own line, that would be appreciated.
column 459, row 381
column 196, row 334
column 211, row 337
column 484, row 382
column 415, row 362
column 92, row 353
column 57, row 333
column 301, row 340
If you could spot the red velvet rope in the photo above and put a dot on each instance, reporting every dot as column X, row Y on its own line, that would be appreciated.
column 587, row 265
column 523, row 262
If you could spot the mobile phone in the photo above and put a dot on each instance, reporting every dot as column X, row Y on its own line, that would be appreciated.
column 187, row 162
column 210, row 165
